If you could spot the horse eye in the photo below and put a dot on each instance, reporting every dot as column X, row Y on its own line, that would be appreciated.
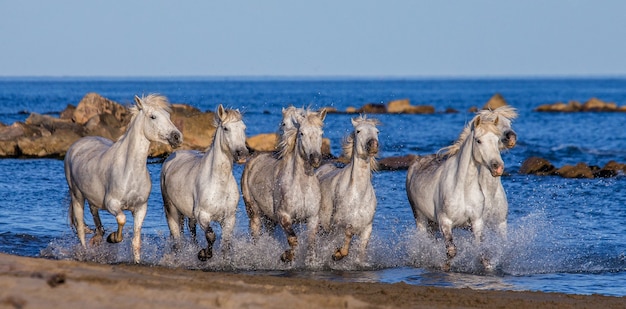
column 225, row 129
column 478, row 141
column 358, row 131
column 152, row 117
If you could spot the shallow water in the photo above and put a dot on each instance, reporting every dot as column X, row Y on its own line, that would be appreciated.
column 565, row 235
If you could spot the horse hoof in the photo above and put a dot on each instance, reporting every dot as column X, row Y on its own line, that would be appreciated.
column 96, row 240
column 204, row 255
column 338, row 255
column 113, row 239
column 287, row 256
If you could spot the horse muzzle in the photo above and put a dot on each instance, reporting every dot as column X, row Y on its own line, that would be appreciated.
column 372, row 146
column 241, row 155
column 315, row 159
column 496, row 168
column 510, row 139
column 175, row 139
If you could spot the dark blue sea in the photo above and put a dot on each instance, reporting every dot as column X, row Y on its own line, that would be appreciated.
column 565, row 235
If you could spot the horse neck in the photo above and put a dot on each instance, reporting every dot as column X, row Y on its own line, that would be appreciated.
column 218, row 154
column 359, row 167
column 132, row 145
column 292, row 162
column 466, row 169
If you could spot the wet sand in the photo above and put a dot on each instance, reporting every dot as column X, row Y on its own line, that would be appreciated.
column 42, row 283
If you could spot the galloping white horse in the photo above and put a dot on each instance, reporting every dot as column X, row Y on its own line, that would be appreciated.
column 348, row 198
column 114, row 176
column 283, row 188
column 202, row 186
column 452, row 191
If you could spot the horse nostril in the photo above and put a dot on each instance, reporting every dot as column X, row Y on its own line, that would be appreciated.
column 315, row 159
column 175, row 139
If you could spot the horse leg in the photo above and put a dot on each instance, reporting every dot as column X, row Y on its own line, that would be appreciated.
column 191, row 224
column 312, row 229
column 446, row 230
column 477, row 228
column 77, row 205
column 205, row 223
column 292, row 239
column 117, row 236
column 228, row 225
column 138, row 215
column 364, row 239
column 340, row 253
column 254, row 216
column 97, row 238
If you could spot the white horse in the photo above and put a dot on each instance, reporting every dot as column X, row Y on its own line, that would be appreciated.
column 202, row 186
column 348, row 198
column 452, row 191
column 282, row 187
column 497, row 205
column 114, row 176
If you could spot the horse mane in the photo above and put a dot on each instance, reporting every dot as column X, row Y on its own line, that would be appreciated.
column 453, row 149
column 154, row 100
column 506, row 111
column 231, row 115
column 287, row 142
column 347, row 145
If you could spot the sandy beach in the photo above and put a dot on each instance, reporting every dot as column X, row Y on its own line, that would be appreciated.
column 41, row 283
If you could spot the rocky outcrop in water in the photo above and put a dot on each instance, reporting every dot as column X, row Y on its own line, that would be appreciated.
column 593, row 105
column 542, row 167
column 44, row 136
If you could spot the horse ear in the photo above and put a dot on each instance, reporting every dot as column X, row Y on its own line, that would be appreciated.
column 354, row 123
column 477, row 121
column 138, row 103
column 323, row 114
column 220, row 111
column 496, row 121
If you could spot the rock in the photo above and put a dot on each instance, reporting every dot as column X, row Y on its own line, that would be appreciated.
column 262, row 142
column 580, row 170
column 396, row 163
column 597, row 105
column 52, row 124
column 105, row 125
column 331, row 110
column 47, row 145
column 351, row 110
column 93, row 104
column 537, row 166
column 373, row 108
column 451, row 110
column 14, row 131
column 497, row 100
column 68, row 112
column 197, row 128
column 611, row 169
column 404, row 107
column 398, row 106
column 572, row 106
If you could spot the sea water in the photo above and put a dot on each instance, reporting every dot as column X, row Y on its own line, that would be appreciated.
column 564, row 235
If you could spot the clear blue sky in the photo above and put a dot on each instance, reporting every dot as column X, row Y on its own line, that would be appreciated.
column 386, row 38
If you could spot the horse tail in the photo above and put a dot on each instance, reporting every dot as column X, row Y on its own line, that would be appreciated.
column 70, row 210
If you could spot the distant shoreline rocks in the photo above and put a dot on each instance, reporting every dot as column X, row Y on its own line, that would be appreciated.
column 592, row 105
column 542, row 167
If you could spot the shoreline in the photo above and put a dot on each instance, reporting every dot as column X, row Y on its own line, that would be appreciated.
column 27, row 282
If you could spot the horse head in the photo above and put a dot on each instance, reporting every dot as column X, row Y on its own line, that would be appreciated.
column 505, row 115
column 231, row 129
column 485, row 150
column 157, row 125
column 309, row 139
column 365, row 137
